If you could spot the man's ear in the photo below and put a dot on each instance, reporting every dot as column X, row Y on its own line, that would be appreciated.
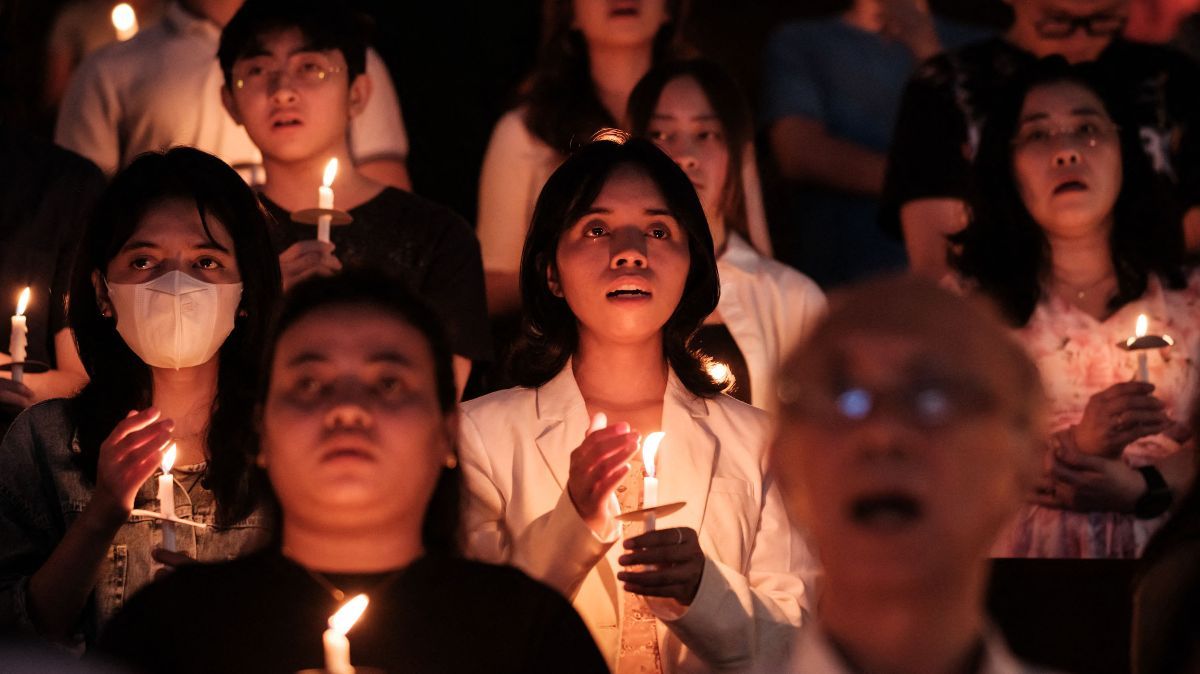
column 230, row 104
column 552, row 281
column 102, row 300
column 360, row 93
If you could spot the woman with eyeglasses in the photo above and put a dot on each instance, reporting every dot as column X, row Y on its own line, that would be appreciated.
column 1074, row 239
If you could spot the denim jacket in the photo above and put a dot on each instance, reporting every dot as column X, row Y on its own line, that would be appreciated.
column 43, row 492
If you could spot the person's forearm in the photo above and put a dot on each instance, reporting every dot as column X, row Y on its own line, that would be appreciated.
column 389, row 171
column 59, row 590
column 926, row 223
column 807, row 153
column 55, row 384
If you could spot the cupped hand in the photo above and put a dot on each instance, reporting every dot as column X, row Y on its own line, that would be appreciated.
column 672, row 561
column 129, row 455
column 305, row 259
column 597, row 466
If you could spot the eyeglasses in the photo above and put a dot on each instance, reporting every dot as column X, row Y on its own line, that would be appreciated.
column 927, row 405
column 1059, row 26
column 303, row 70
column 1041, row 138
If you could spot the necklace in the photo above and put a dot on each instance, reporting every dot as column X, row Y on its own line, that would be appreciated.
column 1082, row 292
column 337, row 593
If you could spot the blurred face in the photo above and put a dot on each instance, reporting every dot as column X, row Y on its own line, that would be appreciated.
column 687, row 128
column 622, row 267
column 294, row 101
column 902, row 461
column 171, row 237
column 619, row 23
column 1067, row 160
column 1076, row 29
column 352, row 430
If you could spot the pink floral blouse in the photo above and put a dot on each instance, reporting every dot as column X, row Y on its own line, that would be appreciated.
column 1078, row 357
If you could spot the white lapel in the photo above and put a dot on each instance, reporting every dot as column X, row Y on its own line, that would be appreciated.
column 686, row 456
column 564, row 421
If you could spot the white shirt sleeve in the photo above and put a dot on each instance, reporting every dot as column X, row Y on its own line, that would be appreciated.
column 378, row 132
column 90, row 114
column 506, row 184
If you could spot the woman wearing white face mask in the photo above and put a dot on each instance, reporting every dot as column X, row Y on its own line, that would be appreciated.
column 170, row 298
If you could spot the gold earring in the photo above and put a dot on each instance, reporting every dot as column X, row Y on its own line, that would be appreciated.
column 261, row 461
column 451, row 462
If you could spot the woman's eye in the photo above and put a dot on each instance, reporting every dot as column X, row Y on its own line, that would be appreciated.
column 660, row 232
column 707, row 135
column 209, row 264
column 1088, row 129
column 308, row 387
column 593, row 231
column 657, row 135
column 142, row 263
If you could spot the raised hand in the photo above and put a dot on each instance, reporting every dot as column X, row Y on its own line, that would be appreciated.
column 597, row 466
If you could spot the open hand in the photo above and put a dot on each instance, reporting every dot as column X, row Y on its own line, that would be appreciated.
column 597, row 466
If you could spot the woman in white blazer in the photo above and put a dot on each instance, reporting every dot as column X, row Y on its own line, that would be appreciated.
column 694, row 111
column 617, row 273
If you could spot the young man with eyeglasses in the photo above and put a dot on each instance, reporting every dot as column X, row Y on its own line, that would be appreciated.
column 295, row 79
column 947, row 101
column 910, row 430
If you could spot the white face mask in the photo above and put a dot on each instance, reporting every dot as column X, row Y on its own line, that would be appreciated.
column 176, row 320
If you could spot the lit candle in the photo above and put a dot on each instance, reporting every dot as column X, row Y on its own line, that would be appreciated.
column 650, row 482
column 166, row 497
column 124, row 21
column 325, row 200
column 18, row 339
column 1139, row 330
column 337, row 646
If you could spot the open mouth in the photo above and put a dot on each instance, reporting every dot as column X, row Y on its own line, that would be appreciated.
column 886, row 511
column 624, row 9
column 1070, row 186
column 621, row 293
column 284, row 122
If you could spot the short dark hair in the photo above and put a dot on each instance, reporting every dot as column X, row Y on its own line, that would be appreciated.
column 362, row 286
column 119, row 380
column 729, row 104
column 324, row 25
column 1006, row 253
column 550, row 335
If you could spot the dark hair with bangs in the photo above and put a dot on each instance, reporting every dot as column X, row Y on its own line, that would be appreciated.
column 119, row 380
column 550, row 334
column 729, row 105
column 369, row 288
column 562, row 108
column 324, row 25
column 1004, row 250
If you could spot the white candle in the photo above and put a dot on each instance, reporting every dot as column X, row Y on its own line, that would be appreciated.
column 650, row 482
column 124, row 21
column 337, row 646
column 166, row 497
column 1140, row 331
column 18, row 339
column 325, row 200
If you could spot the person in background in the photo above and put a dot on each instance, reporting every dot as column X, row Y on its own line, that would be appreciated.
column 617, row 274
column 593, row 53
column 832, row 88
column 294, row 78
column 1074, row 239
column 695, row 113
column 949, row 98
column 43, row 209
column 170, row 298
column 909, row 437
column 111, row 114
column 358, row 427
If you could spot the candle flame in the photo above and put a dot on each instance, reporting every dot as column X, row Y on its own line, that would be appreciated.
column 330, row 172
column 348, row 614
column 123, row 17
column 168, row 458
column 23, row 302
column 650, row 451
column 1142, row 324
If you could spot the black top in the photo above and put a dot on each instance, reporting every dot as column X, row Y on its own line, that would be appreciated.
column 427, row 245
column 714, row 339
column 947, row 99
column 264, row 613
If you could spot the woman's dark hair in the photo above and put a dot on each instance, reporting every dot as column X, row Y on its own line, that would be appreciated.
column 1006, row 253
column 561, row 105
column 371, row 288
column 729, row 104
column 550, row 334
column 119, row 380
column 324, row 25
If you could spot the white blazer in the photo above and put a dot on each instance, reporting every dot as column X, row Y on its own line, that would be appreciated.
column 768, row 308
column 515, row 454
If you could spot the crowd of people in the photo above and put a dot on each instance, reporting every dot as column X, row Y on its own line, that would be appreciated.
column 614, row 422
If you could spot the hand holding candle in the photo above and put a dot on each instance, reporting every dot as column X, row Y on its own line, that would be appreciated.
column 1141, row 343
column 166, row 497
column 337, row 646
column 325, row 200
column 18, row 339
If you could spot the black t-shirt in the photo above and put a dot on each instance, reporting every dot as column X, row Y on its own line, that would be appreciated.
column 947, row 101
column 264, row 613
column 46, row 197
column 428, row 246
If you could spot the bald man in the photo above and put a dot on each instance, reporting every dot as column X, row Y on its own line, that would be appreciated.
column 910, row 431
